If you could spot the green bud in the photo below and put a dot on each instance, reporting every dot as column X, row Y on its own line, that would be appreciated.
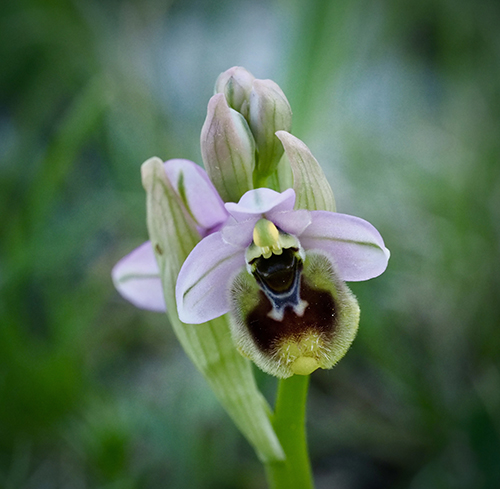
column 227, row 149
column 269, row 111
column 236, row 85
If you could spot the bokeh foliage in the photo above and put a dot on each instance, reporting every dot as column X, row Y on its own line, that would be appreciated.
column 399, row 101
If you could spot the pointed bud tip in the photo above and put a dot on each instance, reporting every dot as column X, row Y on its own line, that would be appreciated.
column 151, row 167
column 270, row 88
column 217, row 99
column 289, row 139
column 238, row 74
column 235, row 84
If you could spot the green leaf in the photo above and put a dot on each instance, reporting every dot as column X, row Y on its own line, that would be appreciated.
column 209, row 345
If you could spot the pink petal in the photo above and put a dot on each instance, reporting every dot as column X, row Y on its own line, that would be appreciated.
column 292, row 222
column 353, row 243
column 202, row 285
column 136, row 277
column 198, row 193
column 239, row 234
column 260, row 201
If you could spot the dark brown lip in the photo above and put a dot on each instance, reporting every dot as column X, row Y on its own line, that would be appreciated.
column 319, row 317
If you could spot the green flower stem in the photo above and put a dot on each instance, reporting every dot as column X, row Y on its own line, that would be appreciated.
column 289, row 424
column 259, row 180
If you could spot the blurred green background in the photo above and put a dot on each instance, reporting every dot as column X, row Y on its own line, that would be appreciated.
column 400, row 103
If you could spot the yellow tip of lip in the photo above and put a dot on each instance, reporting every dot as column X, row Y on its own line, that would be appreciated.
column 304, row 366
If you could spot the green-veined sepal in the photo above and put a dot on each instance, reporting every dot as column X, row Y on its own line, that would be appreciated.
column 309, row 182
column 209, row 346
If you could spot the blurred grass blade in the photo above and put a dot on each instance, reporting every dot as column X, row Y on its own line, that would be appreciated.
column 81, row 120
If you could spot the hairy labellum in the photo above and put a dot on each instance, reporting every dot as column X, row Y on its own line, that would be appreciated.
column 298, row 340
column 291, row 313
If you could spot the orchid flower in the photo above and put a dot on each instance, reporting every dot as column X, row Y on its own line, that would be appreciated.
column 262, row 259
column 281, row 272
column 263, row 231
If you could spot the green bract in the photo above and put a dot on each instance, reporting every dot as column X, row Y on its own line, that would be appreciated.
column 173, row 235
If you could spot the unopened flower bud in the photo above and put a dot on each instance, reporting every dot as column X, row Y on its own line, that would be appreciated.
column 236, row 85
column 227, row 149
column 269, row 111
